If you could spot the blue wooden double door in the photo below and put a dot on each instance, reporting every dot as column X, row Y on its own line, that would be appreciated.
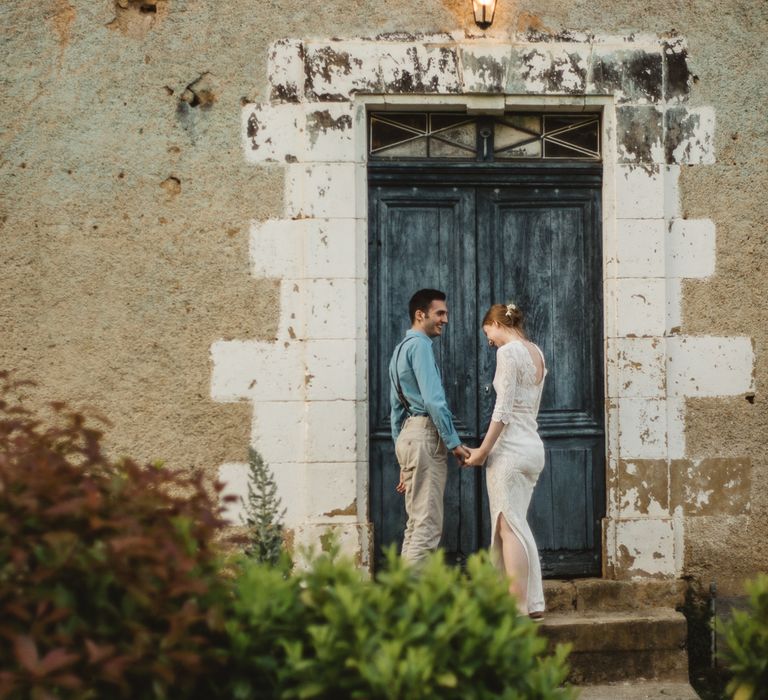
column 486, row 235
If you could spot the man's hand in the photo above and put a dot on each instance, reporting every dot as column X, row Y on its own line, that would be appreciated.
column 461, row 453
column 400, row 488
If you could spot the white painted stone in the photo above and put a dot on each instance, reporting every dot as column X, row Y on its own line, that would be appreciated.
column 330, row 370
column 291, row 483
column 672, row 192
column 305, row 248
column 338, row 69
column 641, row 306
column 548, row 68
column 484, row 67
column 636, row 367
column 709, row 366
column 420, row 68
column 699, row 147
column 326, row 191
column 276, row 248
column 674, row 289
column 639, row 193
column 640, row 247
column 332, row 492
column 293, row 310
column 234, row 477
column 256, row 370
column 328, row 133
column 278, row 430
column 285, row 68
column 642, row 428
column 676, row 427
column 273, row 133
column 631, row 498
column 332, row 309
column 331, row 431
column 353, row 540
column 646, row 546
column 691, row 248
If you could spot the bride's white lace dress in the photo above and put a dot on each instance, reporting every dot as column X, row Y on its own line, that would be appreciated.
column 517, row 458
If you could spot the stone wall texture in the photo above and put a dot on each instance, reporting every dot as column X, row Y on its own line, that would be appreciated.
column 128, row 202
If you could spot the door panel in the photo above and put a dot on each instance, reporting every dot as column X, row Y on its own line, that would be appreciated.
column 538, row 245
column 418, row 239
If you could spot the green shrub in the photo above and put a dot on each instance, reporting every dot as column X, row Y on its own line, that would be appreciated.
column 330, row 633
column 747, row 638
column 263, row 513
column 109, row 583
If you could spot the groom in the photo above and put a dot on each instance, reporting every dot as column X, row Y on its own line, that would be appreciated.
column 423, row 440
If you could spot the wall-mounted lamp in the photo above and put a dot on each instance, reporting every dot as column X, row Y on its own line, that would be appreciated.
column 484, row 11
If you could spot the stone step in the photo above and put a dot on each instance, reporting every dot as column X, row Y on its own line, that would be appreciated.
column 638, row 690
column 594, row 594
column 609, row 647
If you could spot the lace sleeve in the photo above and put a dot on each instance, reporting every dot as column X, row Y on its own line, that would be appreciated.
column 506, row 381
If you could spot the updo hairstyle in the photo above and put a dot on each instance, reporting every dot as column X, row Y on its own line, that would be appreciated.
column 508, row 315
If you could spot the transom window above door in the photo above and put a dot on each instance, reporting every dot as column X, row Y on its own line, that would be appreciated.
column 512, row 137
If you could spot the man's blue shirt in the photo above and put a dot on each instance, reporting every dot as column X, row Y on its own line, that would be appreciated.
column 422, row 385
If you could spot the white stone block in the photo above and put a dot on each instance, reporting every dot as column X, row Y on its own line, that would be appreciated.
column 336, row 70
column 293, row 311
column 330, row 370
column 326, row 191
column 418, row 68
column 331, row 431
column 691, row 248
column 641, row 307
column 676, row 427
column 640, row 248
column 333, row 309
column 636, row 367
column 306, row 248
column 484, row 67
column 234, row 477
column 709, row 366
column 334, row 248
column 285, row 68
column 639, row 193
column 328, row 132
column 642, row 428
column 646, row 547
column 671, row 192
column 276, row 248
column 353, row 539
column 695, row 144
column 549, row 68
column 279, row 430
column 273, row 133
column 332, row 492
column 291, row 483
column 256, row 370
column 674, row 289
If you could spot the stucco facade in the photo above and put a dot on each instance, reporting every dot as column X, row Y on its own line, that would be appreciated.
column 184, row 214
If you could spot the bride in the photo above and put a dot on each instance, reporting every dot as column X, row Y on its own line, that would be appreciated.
column 515, row 454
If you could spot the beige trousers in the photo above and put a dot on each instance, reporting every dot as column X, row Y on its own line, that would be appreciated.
column 423, row 459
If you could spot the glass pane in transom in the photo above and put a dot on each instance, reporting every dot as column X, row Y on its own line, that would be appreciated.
column 415, row 148
column 528, row 150
column 442, row 149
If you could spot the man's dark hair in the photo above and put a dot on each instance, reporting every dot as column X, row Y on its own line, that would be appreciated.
column 422, row 300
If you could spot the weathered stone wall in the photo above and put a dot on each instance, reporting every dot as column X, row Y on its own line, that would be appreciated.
column 127, row 204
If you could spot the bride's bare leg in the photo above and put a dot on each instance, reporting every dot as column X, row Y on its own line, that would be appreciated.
column 515, row 561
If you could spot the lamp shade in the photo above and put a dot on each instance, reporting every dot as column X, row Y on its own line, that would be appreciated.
column 484, row 11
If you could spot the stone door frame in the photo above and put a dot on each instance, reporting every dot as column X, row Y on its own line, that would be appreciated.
column 311, row 410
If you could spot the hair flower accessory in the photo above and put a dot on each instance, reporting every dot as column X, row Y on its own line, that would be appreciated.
column 510, row 308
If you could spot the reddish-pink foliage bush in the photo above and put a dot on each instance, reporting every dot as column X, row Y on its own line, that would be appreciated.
column 109, row 579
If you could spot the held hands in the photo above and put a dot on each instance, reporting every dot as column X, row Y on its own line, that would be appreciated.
column 476, row 457
column 461, row 453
